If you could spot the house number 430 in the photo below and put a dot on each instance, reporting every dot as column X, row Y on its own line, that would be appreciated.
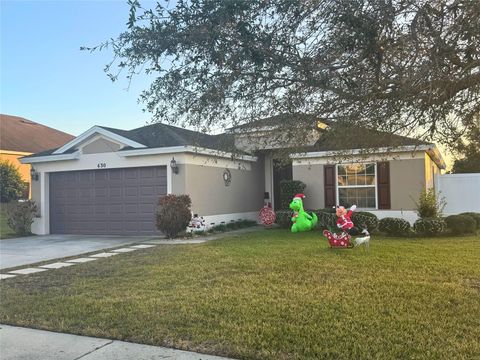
column 101, row 165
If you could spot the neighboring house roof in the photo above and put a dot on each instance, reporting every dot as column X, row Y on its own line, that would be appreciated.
column 22, row 135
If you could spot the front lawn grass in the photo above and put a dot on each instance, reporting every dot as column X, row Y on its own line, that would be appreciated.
column 269, row 295
column 5, row 231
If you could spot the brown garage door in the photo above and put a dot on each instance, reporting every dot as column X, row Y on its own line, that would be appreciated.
column 106, row 202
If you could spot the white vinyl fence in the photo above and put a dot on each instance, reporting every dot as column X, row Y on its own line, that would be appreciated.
column 461, row 191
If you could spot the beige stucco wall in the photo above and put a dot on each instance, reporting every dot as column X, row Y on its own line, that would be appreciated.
column 210, row 196
column 312, row 176
column 431, row 171
column 178, row 180
column 407, row 179
column 100, row 145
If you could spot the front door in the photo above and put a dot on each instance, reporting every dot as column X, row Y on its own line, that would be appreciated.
column 280, row 172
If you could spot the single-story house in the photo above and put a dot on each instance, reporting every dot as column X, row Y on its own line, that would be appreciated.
column 20, row 137
column 108, row 181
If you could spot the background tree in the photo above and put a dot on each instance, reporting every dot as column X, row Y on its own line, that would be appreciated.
column 468, row 150
column 11, row 185
column 410, row 67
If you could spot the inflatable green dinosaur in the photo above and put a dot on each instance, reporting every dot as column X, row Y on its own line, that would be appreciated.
column 301, row 220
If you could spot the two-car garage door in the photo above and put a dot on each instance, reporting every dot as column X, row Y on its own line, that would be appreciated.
column 106, row 202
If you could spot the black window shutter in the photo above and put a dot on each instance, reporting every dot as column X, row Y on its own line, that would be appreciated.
column 383, row 185
column 329, row 185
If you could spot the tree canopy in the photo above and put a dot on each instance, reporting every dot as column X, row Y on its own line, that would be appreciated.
column 468, row 149
column 410, row 67
column 11, row 184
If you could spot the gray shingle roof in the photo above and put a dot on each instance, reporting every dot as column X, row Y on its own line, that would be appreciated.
column 339, row 138
column 162, row 135
column 336, row 138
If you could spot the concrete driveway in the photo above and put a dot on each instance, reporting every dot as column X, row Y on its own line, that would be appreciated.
column 33, row 249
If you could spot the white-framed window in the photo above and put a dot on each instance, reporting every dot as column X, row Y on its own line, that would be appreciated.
column 357, row 184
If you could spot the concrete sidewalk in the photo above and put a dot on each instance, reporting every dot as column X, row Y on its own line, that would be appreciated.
column 30, row 344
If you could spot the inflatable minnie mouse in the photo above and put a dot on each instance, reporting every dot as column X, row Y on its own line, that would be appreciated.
column 344, row 222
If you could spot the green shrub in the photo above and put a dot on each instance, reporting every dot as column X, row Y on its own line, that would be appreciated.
column 429, row 226
column 475, row 216
column 173, row 214
column 284, row 218
column 394, row 226
column 233, row 226
column 364, row 219
column 461, row 224
column 220, row 228
column 428, row 205
column 288, row 189
column 20, row 216
column 246, row 223
column 326, row 218
column 11, row 184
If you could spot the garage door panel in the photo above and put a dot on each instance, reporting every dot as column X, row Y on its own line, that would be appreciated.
column 110, row 201
column 131, row 209
column 147, row 190
column 131, row 191
column 161, row 189
column 100, row 225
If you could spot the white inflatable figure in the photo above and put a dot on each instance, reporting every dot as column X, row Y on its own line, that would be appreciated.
column 363, row 240
column 197, row 224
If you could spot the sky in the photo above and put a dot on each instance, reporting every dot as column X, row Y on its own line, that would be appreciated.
column 44, row 76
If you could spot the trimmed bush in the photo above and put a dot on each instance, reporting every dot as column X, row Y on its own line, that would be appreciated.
column 173, row 214
column 429, row 226
column 220, row 228
column 394, row 226
column 284, row 218
column 326, row 218
column 20, row 216
column 475, row 216
column 461, row 224
column 233, row 226
column 288, row 189
column 247, row 223
column 364, row 219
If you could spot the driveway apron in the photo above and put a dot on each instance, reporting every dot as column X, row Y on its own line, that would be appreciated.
column 33, row 249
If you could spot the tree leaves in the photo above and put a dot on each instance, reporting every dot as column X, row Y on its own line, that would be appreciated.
column 405, row 66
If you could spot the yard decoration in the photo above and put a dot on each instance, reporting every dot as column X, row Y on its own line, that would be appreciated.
column 344, row 222
column 197, row 223
column 338, row 240
column 302, row 221
column 343, row 240
column 267, row 216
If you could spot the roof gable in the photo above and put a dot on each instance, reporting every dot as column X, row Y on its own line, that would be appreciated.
column 98, row 130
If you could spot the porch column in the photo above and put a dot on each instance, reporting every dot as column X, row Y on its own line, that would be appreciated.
column 269, row 177
column 41, row 196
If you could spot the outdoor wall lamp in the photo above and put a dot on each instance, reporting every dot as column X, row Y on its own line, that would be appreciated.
column 34, row 174
column 174, row 166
